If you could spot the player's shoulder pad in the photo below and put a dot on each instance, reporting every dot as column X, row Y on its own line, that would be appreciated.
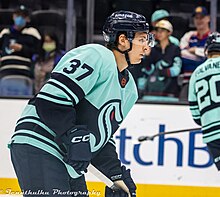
column 96, row 52
column 99, row 49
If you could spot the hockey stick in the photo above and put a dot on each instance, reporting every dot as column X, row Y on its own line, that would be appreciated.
column 101, row 177
column 107, row 181
column 145, row 138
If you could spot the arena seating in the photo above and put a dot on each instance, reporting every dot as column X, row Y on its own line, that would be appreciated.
column 16, row 85
column 180, row 24
column 5, row 18
column 50, row 20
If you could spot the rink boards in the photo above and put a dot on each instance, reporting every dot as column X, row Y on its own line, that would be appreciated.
column 11, row 188
column 171, row 165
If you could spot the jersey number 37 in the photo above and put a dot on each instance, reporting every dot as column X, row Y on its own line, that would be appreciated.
column 76, row 64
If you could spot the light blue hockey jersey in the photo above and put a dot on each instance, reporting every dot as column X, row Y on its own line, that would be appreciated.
column 204, row 98
column 87, row 80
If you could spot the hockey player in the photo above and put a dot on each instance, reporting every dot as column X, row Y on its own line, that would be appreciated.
column 71, row 121
column 204, row 96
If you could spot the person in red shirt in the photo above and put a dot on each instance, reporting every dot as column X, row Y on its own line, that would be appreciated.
column 192, row 47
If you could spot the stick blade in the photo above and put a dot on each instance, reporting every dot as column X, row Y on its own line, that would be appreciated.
column 145, row 138
column 100, row 176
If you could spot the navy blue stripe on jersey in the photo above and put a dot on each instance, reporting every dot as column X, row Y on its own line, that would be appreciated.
column 191, row 103
column 64, row 90
column 28, row 117
column 38, row 122
column 76, row 89
column 196, row 116
column 34, row 127
column 55, row 97
column 38, row 129
column 39, row 139
column 210, row 129
column 194, row 107
column 211, row 137
column 212, row 123
column 210, row 107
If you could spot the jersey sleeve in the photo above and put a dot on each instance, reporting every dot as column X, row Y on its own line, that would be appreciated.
column 193, row 103
column 107, row 160
column 74, row 76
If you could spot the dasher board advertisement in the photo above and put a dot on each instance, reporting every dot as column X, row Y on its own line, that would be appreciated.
column 174, row 159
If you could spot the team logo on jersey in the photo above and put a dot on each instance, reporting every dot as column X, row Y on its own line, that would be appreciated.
column 123, row 81
column 108, row 112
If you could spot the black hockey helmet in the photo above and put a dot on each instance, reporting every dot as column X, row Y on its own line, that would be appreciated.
column 213, row 43
column 124, row 21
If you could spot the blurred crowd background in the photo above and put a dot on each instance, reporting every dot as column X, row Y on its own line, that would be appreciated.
column 55, row 26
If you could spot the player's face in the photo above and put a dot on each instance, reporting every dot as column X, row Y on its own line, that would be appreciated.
column 140, row 47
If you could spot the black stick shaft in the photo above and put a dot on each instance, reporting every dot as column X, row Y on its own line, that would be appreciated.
column 144, row 138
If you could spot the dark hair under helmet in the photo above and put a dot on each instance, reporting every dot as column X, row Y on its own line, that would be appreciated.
column 124, row 21
column 213, row 43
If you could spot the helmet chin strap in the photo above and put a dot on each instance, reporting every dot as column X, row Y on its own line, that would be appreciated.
column 128, row 59
column 126, row 54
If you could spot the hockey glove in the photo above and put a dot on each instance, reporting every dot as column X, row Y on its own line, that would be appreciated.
column 126, row 178
column 78, row 148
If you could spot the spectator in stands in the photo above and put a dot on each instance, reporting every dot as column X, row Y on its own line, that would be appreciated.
column 49, row 56
column 162, row 15
column 192, row 47
column 163, row 66
column 18, row 43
